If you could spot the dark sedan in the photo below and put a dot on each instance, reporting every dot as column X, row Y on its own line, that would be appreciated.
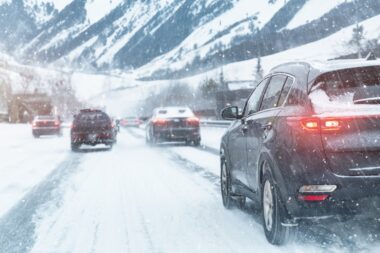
column 173, row 124
column 92, row 127
column 306, row 146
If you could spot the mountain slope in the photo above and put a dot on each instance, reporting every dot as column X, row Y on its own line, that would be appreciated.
column 170, row 38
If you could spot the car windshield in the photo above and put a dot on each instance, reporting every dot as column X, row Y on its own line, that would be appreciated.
column 181, row 126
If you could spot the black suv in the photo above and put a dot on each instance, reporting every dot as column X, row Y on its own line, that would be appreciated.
column 307, row 145
column 92, row 127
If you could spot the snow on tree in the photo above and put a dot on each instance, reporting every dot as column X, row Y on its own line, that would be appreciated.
column 258, row 70
column 358, row 39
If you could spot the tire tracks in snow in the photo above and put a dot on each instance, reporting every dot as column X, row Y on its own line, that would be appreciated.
column 211, row 177
column 17, row 226
column 325, row 238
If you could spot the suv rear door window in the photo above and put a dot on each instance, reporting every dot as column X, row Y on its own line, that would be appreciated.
column 273, row 92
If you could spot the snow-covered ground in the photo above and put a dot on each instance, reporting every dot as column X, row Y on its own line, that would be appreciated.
column 134, row 198
column 25, row 161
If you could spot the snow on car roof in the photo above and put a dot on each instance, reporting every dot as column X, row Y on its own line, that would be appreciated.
column 326, row 66
column 45, row 117
column 173, row 112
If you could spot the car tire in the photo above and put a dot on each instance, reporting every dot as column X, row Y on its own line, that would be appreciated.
column 75, row 147
column 273, row 212
column 240, row 202
column 147, row 139
column 36, row 136
column 197, row 143
column 225, row 185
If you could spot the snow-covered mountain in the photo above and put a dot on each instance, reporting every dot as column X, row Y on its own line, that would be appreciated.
column 166, row 38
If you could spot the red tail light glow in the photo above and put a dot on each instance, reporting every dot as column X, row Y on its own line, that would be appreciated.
column 313, row 198
column 159, row 121
column 317, row 125
column 192, row 121
column 56, row 123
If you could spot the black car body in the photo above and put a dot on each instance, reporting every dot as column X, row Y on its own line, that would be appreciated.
column 92, row 127
column 307, row 145
column 46, row 125
column 173, row 124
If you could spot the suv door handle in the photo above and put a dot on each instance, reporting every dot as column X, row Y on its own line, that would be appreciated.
column 267, row 126
column 244, row 128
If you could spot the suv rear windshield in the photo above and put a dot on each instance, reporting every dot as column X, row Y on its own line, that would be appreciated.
column 347, row 90
column 92, row 116
column 174, row 112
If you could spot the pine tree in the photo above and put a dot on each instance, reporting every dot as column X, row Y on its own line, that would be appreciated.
column 222, row 82
column 357, row 39
column 258, row 71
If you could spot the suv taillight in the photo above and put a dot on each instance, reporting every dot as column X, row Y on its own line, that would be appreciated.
column 159, row 121
column 193, row 121
column 317, row 124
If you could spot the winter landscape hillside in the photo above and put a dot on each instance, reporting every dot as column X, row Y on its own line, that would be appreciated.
column 147, row 35
column 113, row 140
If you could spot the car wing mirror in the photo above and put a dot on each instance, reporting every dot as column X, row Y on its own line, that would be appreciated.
column 230, row 113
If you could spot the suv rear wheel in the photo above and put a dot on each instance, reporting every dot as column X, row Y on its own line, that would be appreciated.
column 273, row 212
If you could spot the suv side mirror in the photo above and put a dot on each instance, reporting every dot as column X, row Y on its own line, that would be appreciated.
column 230, row 113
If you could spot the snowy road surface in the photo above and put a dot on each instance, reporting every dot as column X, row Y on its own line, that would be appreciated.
column 134, row 198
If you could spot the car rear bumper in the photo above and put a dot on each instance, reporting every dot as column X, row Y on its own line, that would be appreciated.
column 177, row 134
column 354, row 196
column 93, row 138
column 46, row 131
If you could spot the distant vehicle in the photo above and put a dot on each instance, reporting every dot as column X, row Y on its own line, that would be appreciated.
column 131, row 122
column 306, row 146
column 92, row 127
column 46, row 125
column 173, row 124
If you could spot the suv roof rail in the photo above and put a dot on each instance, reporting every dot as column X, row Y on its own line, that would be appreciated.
column 90, row 110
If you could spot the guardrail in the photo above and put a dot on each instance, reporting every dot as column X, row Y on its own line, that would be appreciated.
column 216, row 123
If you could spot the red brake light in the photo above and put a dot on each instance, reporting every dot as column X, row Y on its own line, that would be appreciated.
column 56, row 123
column 34, row 124
column 313, row 197
column 192, row 121
column 331, row 125
column 316, row 124
column 310, row 125
column 159, row 121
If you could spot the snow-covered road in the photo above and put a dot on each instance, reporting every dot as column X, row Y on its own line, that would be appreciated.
column 134, row 198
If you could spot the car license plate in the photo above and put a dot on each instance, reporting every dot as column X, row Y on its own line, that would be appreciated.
column 92, row 137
